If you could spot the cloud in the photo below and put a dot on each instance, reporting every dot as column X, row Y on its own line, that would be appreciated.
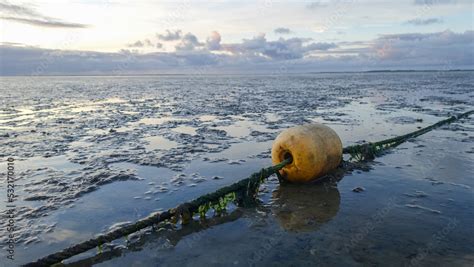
column 188, row 42
column 26, row 15
column 406, row 36
column 10, row 43
column 457, row 49
column 136, row 44
column 213, row 42
column 44, row 23
column 423, row 22
column 281, row 49
column 147, row 42
column 170, row 35
column 282, row 30
column 320, row 46
column 18, row 10
column 437, row 50
column 144, row 43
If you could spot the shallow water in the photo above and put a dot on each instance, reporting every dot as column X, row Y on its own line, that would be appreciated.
column 91, row 152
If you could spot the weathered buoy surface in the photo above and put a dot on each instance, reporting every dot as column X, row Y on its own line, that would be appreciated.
column 315, row 149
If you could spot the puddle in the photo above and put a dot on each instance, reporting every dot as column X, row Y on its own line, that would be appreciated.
column 185, row 130
column 158, row 142
column 242, row 128
column 207, row 118
column 272, row 117
column 245, row 150
column 84, row 109
column 157, row 121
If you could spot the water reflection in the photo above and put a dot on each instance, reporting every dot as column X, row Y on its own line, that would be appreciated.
column 170, row 234
column 305, row 208
column 297, row 208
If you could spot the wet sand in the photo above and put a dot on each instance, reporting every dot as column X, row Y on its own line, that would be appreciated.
column 93, row 152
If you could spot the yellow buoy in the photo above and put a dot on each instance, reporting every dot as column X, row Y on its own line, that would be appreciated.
column 315, row 149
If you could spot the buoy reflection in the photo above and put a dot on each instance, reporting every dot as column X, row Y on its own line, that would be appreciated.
column 305, row 208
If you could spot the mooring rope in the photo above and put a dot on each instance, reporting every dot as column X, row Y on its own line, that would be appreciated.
column 370, row 150
column 243, row 192
column 246, row 188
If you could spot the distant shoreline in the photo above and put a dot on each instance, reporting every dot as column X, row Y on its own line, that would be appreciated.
column 236, row 74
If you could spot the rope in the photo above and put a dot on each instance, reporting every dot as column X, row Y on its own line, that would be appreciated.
column 246, row 198
column 246, row 190
column 368, row 151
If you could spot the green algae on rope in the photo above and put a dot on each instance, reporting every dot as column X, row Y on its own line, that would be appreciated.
column 243, row 193
column 369, row 151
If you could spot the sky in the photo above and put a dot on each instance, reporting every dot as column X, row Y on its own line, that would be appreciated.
column 265, row 36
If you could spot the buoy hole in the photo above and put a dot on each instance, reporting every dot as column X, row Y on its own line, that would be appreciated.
column 287, row 155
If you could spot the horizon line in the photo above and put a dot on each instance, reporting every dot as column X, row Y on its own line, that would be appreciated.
column 207, row 74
